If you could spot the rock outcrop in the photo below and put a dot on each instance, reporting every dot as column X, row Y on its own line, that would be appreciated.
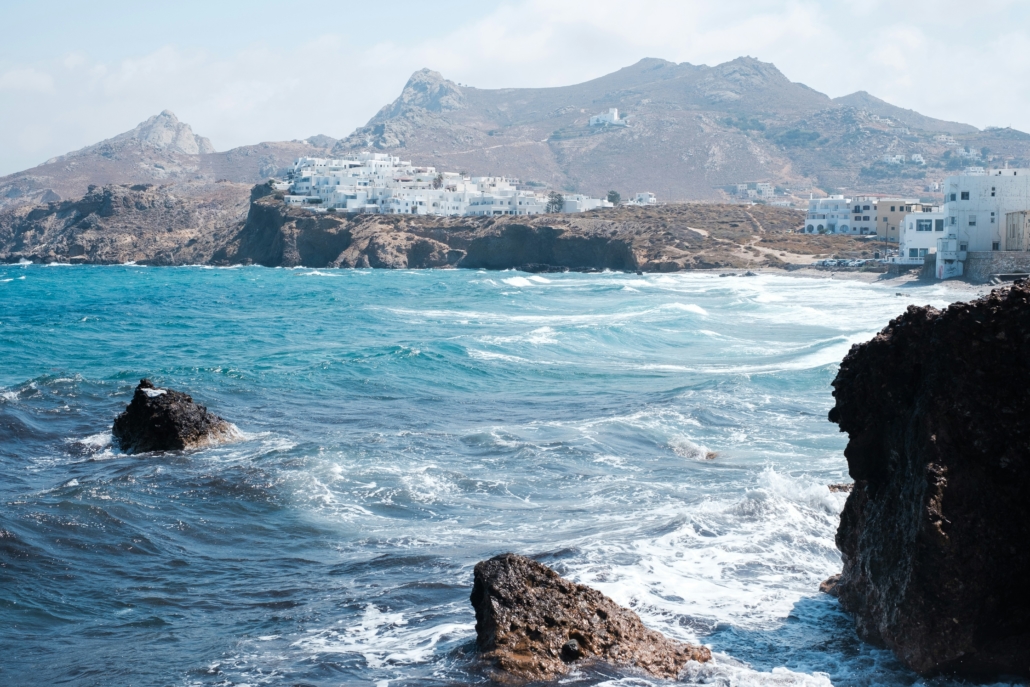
column 532, row 624
column 116, row 224
column 935, row 533
column 167, row 420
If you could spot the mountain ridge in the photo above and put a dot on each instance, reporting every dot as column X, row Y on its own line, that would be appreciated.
column 693, row 132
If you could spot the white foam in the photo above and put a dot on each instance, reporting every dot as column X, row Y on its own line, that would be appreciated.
column 685, row 307
column 383, row 637
column 9, row 396
column 154, row 393
column 517, row 281
column 97, row 441
column 540, row 280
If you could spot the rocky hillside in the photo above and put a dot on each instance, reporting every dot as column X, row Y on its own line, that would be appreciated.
column 161, row 150
column 692, row 130
column 116, row 224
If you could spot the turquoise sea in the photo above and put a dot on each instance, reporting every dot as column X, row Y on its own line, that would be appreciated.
column 401, row 426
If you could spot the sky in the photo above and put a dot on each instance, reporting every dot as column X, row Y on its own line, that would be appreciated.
column 74, row 73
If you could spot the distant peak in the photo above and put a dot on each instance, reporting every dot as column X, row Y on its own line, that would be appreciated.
column 429, row 90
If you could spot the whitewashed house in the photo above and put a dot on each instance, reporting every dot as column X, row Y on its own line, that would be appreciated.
column 380, row 183
column 830, row 215
column 609, row 118
column 975, row 210
column 919, row 234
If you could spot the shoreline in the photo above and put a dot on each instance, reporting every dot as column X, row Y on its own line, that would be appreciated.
column 908, row 280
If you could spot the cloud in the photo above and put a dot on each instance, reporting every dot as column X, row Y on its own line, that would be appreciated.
column 26, row 79
column 913, row 54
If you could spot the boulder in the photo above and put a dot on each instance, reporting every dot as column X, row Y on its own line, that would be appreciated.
column 532, row 624
column 167, row 420
column 934, row 535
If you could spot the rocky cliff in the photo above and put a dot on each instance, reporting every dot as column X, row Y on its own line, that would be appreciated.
column 934, row 534
column 226, row 223
column 117, row 224
column 663, row 239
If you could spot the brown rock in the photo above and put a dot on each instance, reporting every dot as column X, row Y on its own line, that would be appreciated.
column 168, row 420
column 934, row 534
column 531, row 623
column 829, row 585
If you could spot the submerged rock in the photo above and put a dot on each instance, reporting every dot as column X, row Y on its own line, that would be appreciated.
column 167, row 420
column 531, row 623
column 935, row 533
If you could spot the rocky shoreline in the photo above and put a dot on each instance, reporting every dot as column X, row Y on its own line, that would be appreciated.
column 240, row 225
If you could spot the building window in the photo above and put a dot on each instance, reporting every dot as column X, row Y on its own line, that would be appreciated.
column 953, row 196
column 992, row 191
column 954, row 220
column 938, row 225
column 965, row 195
column 865, row 207
column 923, row 252
column 995, row 246
column 892, row 208
column 924, row 225
column 992, row 218
column 913, row 252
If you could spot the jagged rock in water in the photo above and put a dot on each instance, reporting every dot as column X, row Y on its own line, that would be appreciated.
column 935, row 533
column 531, row 623
column 167, row 420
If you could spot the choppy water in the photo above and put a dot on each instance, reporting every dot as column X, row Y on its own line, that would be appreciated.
column 402, row 426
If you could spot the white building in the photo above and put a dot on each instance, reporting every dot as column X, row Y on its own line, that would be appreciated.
column 975, row 210
column 380, row 183
column 918, row 159
column 863, row 215
column 830, row 215
column 894, row 159
column 644, row 198
column 919, row 234
column 609, row 118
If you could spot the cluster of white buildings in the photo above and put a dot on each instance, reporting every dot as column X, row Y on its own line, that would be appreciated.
column 984, row 211
column 381, row 183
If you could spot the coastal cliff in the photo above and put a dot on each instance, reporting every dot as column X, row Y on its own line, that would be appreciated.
column 117, row 224
column 933, row 536
column 660, row 239
column 238, row 225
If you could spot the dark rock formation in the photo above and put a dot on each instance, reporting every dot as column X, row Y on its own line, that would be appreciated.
column 167, row 420
column 935, row 533
column 531, row 623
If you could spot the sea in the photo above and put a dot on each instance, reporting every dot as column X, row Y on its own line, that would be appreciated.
column 662, row 438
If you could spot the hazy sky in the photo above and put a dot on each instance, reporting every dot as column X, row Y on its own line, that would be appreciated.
column 73, row 73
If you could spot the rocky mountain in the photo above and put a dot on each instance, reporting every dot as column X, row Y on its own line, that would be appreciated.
column 161, row 150
column 690, row 132
column 687, row 132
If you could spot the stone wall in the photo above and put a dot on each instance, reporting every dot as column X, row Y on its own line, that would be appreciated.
column 980, row 265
